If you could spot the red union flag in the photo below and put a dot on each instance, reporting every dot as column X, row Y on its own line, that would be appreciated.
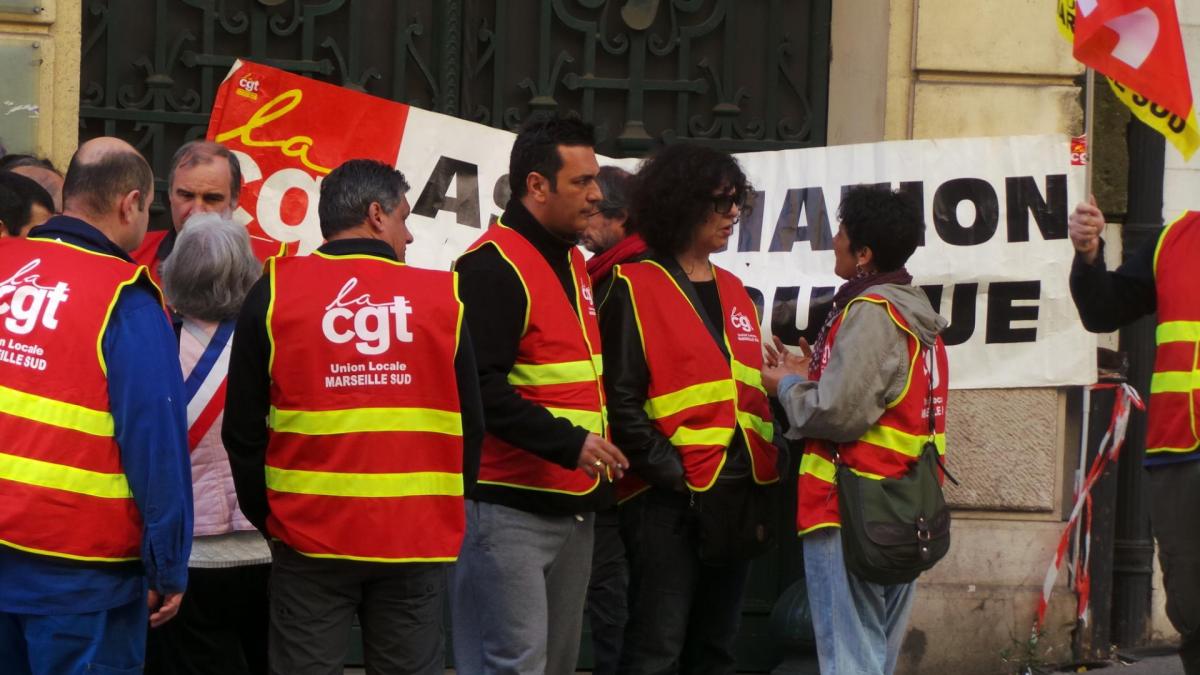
column 1137, row 45
column 289, row 132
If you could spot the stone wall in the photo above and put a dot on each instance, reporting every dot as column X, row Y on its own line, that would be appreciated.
column 975, row 68
column 41, row 39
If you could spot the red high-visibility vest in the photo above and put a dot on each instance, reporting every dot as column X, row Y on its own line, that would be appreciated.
column 1175, row 386
column 63, row 491
column 364, row 460
column 697, row 397
column 892, row 445
column 558, row 366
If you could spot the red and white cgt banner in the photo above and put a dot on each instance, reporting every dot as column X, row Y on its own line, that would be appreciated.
column 995, row 260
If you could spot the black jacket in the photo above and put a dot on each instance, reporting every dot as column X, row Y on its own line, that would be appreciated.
column 495, row 312
column 248, row 393
column 1108, row 300
column 626, row 380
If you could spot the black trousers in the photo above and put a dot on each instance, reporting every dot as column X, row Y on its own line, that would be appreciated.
column 314, row 600
column 1174, row 503
column 683, row 614
column 221, row 628
column 607, row 604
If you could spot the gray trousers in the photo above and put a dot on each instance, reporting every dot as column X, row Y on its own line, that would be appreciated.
column 314, row 600
column 1174, row 503
column 518, row 589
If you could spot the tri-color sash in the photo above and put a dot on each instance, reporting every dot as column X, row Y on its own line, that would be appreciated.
column 204, row 386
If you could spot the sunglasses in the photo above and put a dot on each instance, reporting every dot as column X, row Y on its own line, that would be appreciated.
column 724, row 204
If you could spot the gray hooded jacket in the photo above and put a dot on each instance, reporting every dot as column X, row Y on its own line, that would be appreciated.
column 867, row 368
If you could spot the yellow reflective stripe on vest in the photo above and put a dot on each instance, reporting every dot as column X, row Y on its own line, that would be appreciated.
column 356, row 420
column 1177, row 331
column 66, row 478
column 747, row 375
column 759, row 425
column 904, row 443
column 697, row 394
column 55, row 413
column 812, row 464
column 689, row 436
column 588, row 419
column 566, row 372
column 331, row 484
column 1175, row 382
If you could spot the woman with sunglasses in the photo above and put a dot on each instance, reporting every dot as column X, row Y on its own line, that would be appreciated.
column 682, row 351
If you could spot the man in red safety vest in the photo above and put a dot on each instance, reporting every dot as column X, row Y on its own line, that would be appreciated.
column 352, row 423
column 1158, row 277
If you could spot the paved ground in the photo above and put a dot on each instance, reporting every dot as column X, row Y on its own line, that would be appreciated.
column 1156, row 665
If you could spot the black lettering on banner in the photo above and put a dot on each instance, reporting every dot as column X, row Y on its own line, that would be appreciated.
column 1050, row 214
column 945, row 211
column 501, row 192
column 962, row 311
column 784, row 320
column 1002, row 313
column 465, row 203
column 750, row 224
column 915, row 190
column 756, row 296
column 811, row 202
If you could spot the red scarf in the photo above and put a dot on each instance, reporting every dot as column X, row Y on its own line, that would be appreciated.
column 601, row 264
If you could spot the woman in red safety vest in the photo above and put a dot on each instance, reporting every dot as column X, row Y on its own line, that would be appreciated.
column 683, row 354
column 863, row 399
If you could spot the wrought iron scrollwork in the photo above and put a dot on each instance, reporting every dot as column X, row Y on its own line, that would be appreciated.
column 744, row 74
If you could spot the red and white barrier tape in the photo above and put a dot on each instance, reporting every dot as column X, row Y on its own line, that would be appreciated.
column 1109, row 450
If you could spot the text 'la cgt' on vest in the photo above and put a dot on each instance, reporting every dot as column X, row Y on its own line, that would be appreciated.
column 63, row 492
column 1173, row 428
column 892, row 445
column 364, row 460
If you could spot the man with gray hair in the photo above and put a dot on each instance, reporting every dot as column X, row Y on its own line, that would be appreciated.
column 353, row 424
column 607, row 236
column 95, row 491
column 205, row 177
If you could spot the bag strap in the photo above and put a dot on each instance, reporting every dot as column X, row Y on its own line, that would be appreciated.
column 932, row 361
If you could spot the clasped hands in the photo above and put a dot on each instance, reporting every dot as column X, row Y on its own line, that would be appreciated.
column 779, row 361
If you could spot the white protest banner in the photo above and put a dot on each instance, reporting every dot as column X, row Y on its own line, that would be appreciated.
column 995, row 261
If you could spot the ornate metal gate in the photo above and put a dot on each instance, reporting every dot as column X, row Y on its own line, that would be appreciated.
column 737, row 74
column 744, row 74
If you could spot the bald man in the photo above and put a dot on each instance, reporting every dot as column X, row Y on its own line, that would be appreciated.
column 95, row 480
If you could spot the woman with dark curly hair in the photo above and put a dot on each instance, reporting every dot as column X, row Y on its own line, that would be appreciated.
column 863, row 400
column 682, row 353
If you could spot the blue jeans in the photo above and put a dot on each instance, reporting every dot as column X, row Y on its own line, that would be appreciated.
column 108, row 642
column 859, row 625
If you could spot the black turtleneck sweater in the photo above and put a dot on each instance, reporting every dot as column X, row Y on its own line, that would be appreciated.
column 495, row 314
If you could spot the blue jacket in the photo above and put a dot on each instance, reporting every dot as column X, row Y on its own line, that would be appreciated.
column 145, row 389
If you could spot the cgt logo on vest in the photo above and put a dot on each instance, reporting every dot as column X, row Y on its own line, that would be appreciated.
column 586, row 292
column 372, row 323
column 742, row 323
column 24, row 301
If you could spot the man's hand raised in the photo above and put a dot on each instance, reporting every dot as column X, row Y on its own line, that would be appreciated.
column 598, row 455
column 1084, row 226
